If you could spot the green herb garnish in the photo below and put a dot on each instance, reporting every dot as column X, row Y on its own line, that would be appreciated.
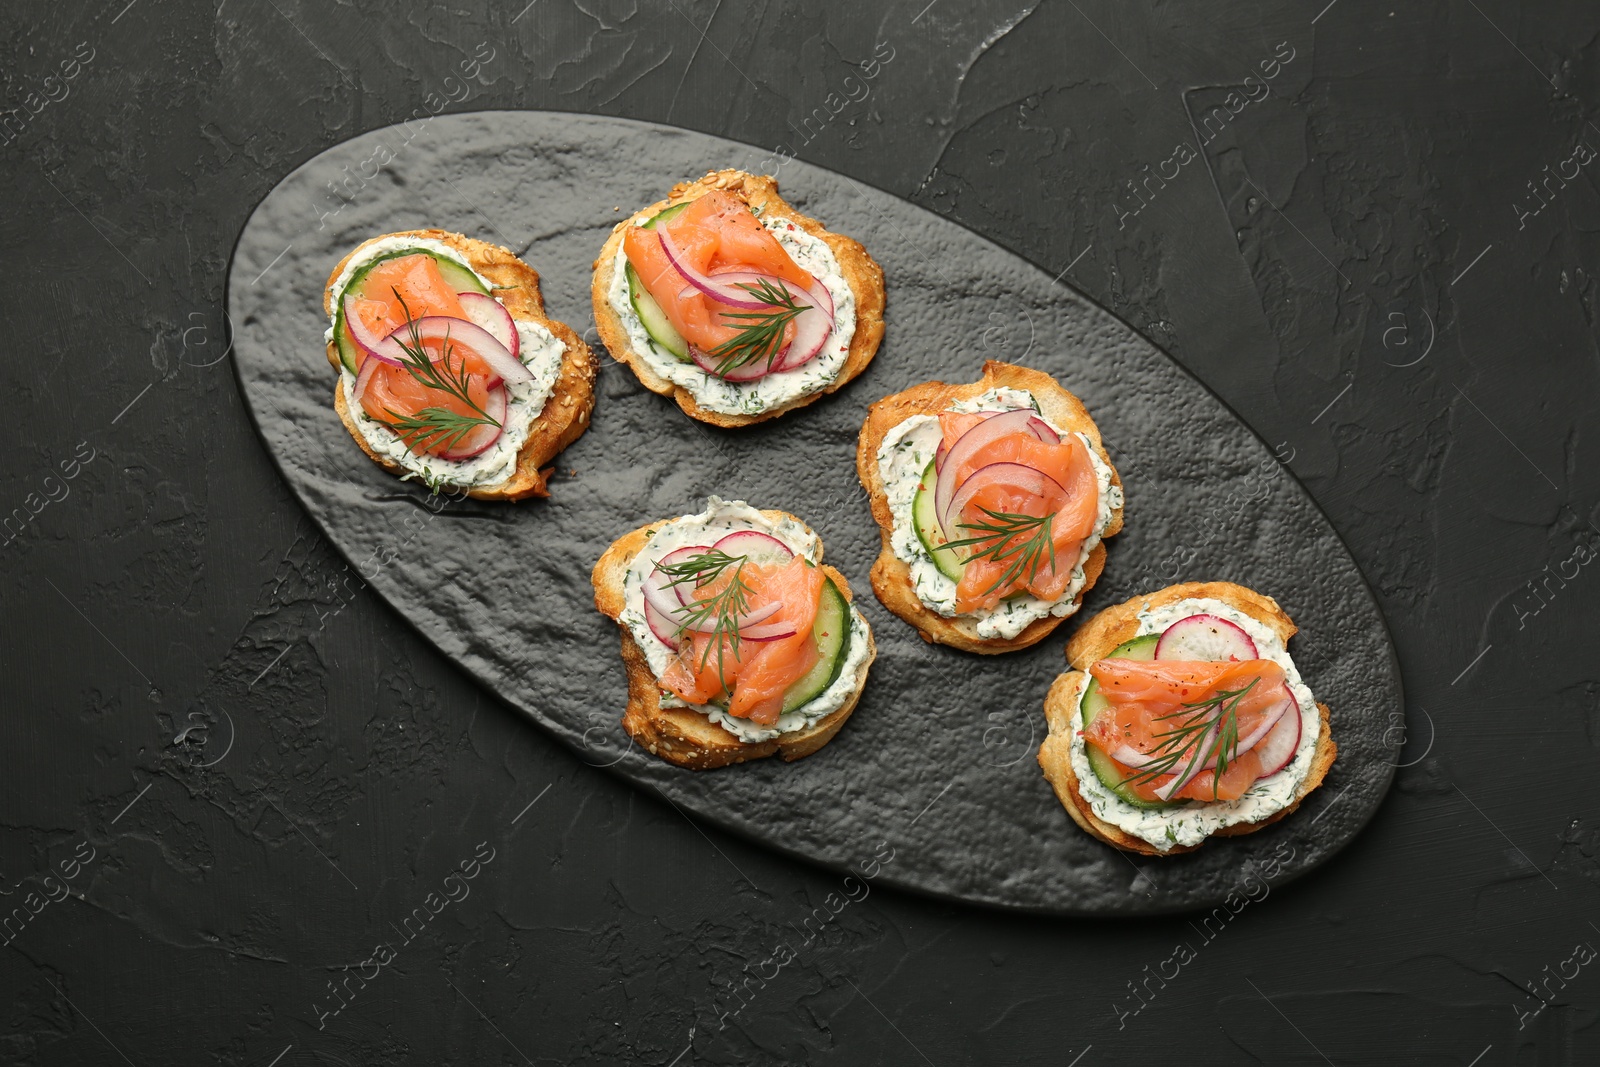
column 435, row 426
column 760, row 333
column 722, row 609
column 1026, row 540
column 1210, row 729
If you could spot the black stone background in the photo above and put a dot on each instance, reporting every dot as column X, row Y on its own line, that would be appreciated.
column 1354, row 264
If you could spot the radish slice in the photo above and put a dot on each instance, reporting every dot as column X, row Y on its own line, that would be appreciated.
column 1004, row 474
column 436, row 329
column 661, row 625
column 811, row 329
column 1268, row 722
column 1205, row 638
column 478, row 439
column 492, row 315
column 755, row 547
column 1278, row 747
column 985, row 432
column 747, row 373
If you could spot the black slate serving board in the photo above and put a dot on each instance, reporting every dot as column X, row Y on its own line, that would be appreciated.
column 938, row 760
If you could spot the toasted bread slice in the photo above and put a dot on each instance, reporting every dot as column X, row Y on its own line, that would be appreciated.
column 891, row 576
column 1097, row 638
column 682, row 735
column 859, row 269
column 566, row 412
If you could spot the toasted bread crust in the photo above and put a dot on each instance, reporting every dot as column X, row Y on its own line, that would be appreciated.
column 891, row 577
column 860, row 270
column 682, row 736
column 1093, row 641
column 566, row 412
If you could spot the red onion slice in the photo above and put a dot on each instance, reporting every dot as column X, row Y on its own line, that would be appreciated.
column 663, row 596
column 1036, row 426
column 1043, row 431
column 984, row 433
column 369, row 343
column 671, row 599
column 1131, row 757
column 812, row 327
column 1005, row 474
column 436, row 328
column 1278, row 747
column 742, row 623
column 1192, row 768
column 770, row 631
column 478, row 440
column 492, row 315
column 666, row 630
column 761, row 614
column 368, row 369
column 682, row 594
column 721, row 292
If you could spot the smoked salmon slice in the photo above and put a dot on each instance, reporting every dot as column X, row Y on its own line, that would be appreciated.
column 405, row 282
column 406, row 289
column 715, row 234
column 1148, row 700
column 757, row 673
column 1071, row 495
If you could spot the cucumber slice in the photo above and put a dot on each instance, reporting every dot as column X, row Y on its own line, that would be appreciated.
column 662, row 333
column 832, row 634
column 462, row 279
column 664, row 215
column 1105, row 769
column 926, row 523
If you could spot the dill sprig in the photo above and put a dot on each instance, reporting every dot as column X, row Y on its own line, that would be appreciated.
column 1210, row 729
column 1025, row 540
column 722, row 609
column 435, row 426
column 760, row 333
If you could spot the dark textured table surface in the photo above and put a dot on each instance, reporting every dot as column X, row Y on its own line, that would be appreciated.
column 234, row 791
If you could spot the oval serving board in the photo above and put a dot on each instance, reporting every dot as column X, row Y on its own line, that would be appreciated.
column 938, row 760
